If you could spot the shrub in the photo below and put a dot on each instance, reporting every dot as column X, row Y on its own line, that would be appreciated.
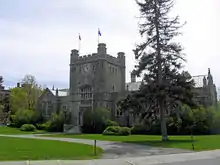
column 24, row 116
column 117, row 130
column 43, row 126
column 28, row 127
column 111, row 123
column 55, row 123
column 125, row 131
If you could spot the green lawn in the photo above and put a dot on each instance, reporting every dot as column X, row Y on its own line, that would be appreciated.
column 201, row 142
column 32, row 149
column 10, row 131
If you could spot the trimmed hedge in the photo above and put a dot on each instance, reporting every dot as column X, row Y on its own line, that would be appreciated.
column 117, row 130
column 28, row 127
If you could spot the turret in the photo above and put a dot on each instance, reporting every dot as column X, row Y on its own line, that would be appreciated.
column 204, row 82
column 210, row 79
column 57, row 92
column 74, row 55
column 121, row 57
column 102, row 48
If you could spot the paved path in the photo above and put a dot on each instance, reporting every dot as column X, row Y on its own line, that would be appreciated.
column 214, row 161
column 114, row 150
column 196, row 158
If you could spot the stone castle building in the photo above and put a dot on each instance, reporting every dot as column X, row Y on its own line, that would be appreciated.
column 98, row 80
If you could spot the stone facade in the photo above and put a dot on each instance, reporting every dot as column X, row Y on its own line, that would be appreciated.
column 206, row 90
column 98, row 80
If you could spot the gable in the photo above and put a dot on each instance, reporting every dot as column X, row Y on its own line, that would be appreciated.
column 46, row 94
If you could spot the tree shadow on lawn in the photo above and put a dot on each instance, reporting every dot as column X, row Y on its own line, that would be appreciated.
column 185, row 144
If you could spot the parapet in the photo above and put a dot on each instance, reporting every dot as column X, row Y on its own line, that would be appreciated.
column 100, row 55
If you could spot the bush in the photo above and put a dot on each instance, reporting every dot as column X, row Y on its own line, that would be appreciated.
column 28, row 127
column 24, row 116
column 43, row 126
column 139, row 129
column 111, row 123
column 117, row 130
column 55, row 123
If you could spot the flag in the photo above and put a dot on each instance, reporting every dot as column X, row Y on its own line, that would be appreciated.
column 79, row 37
column 99, row 33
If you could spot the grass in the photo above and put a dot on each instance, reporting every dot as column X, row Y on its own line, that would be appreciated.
column 208, row 142
column 10, row 131
column 32, row 149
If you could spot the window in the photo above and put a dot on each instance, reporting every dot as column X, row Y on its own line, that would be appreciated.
column 118, row 112
column 86, row 95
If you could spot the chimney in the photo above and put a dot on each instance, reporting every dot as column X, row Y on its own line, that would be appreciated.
column 102, row 48
column 133, row 77
column 57, row 92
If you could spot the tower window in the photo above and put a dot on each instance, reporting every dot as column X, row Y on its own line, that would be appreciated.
column 86, row 95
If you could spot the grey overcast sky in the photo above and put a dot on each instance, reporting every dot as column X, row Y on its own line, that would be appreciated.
column 37, row 35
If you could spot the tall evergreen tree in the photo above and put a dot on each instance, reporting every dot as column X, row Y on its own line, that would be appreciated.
column 160, row 59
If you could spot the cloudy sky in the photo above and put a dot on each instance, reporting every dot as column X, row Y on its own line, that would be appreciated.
column 37, row 35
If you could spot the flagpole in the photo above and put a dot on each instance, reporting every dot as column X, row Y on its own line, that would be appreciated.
column 98, row 36
column 79, row 43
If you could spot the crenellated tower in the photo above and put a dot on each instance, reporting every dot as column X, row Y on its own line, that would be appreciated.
column 93, row 79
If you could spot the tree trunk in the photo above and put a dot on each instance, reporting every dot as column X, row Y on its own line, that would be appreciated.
column 163, row 122
column 159, row 75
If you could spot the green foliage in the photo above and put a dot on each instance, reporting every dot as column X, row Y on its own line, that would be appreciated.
column 95, row 121
column 25, row 117
column 197, row 121
column 25, row 97
column 55, row 123
column 28, row 127
column 111, row 123
column 160, row 58
column 18, row 100
column 43, row 126
column 117, row 130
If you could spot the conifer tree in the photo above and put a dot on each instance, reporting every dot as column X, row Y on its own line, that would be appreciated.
column 160, row 59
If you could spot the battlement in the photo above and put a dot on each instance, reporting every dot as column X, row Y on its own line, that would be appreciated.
column 100, row 55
